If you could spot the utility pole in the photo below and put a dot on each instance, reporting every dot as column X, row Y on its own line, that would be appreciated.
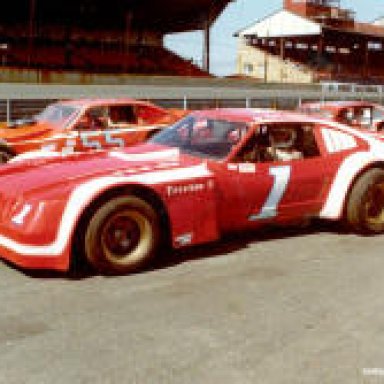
column 207, row 45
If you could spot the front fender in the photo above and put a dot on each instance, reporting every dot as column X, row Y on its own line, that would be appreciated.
column 38, row 154
column 192, row 211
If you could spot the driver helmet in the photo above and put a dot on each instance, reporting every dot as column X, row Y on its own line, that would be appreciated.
column 283, row 137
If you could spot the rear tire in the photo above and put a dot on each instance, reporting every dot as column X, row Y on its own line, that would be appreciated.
column 365, row 206
column 122, row 235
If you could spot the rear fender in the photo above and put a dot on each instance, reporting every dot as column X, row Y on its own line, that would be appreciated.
column 348, row 172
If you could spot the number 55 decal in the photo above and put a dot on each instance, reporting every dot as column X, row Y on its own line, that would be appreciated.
column 87, row 143
column 281, row 177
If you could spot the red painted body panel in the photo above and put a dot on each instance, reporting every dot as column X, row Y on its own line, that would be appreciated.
column 202, row 195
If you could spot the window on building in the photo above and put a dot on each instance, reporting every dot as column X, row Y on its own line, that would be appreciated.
column 248, row 68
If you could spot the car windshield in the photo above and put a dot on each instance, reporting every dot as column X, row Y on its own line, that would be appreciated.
column 202, row 137
column 57, row 114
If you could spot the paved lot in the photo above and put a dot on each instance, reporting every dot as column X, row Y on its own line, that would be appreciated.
column 279, row 307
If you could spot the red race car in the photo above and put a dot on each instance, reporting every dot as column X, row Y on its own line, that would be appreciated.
column 210, row 173
column 359, row 114
column 85, row 124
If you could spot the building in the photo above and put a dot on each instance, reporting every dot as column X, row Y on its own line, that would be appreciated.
column 100, row 37
column 312, row 41
column 379, row 21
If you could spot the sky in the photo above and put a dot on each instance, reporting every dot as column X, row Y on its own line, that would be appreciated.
column 243, row 13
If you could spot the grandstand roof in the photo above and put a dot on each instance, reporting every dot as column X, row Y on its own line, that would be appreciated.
column 280, row 24
column 285, row 23
column 166, row 16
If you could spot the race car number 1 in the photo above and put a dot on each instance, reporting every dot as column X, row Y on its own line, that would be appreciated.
column 281, row 176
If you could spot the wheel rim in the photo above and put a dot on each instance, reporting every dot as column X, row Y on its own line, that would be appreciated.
column 124, row 236
column 374, row 206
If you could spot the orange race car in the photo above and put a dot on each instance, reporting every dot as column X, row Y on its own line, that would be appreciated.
column 85, row 124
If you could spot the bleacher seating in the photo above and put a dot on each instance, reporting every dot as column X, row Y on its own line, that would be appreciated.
column 96, row 58
column 331, row 68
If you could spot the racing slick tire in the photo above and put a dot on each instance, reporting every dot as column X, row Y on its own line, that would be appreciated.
column 5, row 154
column 365, row 206
column 122, row 235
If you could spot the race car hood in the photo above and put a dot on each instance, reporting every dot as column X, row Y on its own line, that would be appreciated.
column 25, row 131
column 41, row 173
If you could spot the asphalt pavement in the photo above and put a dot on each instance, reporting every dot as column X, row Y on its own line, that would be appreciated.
column 280, row 306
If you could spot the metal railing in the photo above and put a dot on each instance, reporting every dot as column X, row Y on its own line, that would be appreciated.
column 17, row 100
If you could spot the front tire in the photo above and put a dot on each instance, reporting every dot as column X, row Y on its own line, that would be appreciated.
column 5, row 155
column 365, row 206
column 122, row 235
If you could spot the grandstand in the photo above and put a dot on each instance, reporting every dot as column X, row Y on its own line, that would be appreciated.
column 312, row 41
column 102, row 37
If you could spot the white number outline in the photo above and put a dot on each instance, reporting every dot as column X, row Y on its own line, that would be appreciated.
column 115, row 141
column 281, row 176
column 96, row 144
column 85, row 136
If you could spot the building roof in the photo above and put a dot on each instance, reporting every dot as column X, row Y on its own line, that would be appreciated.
column 379, row 21
column 164, row 16
column 368, row 29
column 284, row 23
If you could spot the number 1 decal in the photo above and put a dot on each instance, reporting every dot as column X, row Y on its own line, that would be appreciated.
column 281, row 177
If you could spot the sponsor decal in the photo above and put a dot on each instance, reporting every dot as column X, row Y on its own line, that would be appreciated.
column 173, row 190
column 247, row 168
column 184, row 239
column 242, row 167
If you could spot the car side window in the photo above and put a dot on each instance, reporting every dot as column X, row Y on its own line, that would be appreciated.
column 280, row 142
column 93, row 119
column 346, row 116
column 363, row 116
column 120, row 115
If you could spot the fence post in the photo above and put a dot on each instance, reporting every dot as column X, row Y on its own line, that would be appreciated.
column 299, row 102
column 185, row 103
column 8, row 111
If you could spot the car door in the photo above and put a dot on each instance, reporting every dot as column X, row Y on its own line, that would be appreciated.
column 94, row 130
column 126, row 125
column 263, row 187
